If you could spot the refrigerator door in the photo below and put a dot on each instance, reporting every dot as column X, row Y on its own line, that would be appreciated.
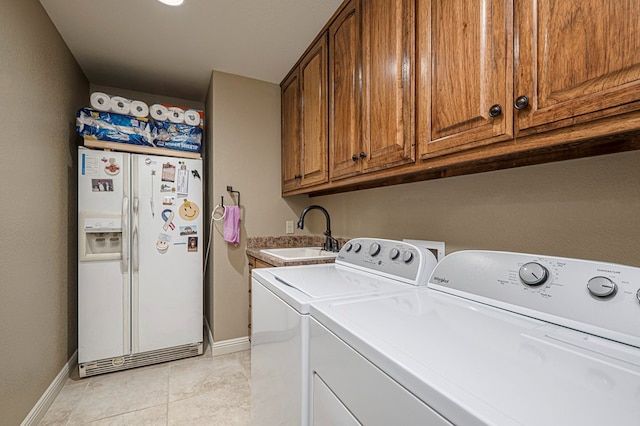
column 167, row 247
column 103, row 280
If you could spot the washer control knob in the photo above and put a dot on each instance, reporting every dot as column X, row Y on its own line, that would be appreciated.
column 601, row 286
column 407, row 257
column 394, row 253
column 348, row 247
column 638, row 295
column 374, row 249
column 533, row 274
column 357, row 247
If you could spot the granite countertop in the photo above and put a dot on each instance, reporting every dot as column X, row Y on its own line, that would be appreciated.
column 255, row 244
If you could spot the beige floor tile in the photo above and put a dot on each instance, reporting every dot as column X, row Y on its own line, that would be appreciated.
column 203, row 375
column 64, row 404
column 202, row 390
column 153, row 416
column 244, row 358
column 122, row 392
column 207, row 410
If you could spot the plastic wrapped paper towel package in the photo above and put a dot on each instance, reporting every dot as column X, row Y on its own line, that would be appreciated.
column 114, row 127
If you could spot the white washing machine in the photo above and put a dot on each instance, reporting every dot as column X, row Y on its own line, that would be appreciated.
column 496, row 339
column 280, row 299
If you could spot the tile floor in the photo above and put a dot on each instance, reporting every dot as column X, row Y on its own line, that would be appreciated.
column 203, row 390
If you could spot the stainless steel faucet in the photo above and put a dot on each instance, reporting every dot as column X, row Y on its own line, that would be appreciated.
column 330, row 243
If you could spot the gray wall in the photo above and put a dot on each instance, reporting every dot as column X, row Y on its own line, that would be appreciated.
column 41, row 89
column 587, row 208
column 243, row 151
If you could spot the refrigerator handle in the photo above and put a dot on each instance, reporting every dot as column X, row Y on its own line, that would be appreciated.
column 125, row 233
column 134, row 254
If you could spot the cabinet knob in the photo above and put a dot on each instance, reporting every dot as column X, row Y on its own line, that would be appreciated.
column 298, row 176
column 521, row 102
column 354, row 158
column 495, row 110
column 363, row 155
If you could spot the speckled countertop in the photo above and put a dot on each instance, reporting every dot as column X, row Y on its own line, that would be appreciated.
column 255, row 244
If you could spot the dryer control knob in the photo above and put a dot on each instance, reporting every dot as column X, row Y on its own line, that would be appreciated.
column 357, row 247
column 374, row 249
column 407, row 257
column 348, row 247
column 394, row 253
column 533, row 274
column 601, row 286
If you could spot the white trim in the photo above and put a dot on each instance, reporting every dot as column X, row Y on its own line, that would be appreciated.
column 231, row 345
column 39, row 410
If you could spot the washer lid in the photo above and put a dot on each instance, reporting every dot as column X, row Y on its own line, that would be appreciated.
column 476, row 364
column 300, row 285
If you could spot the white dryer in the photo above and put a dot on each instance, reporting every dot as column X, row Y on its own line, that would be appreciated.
column 280, row 299
column 496, row 339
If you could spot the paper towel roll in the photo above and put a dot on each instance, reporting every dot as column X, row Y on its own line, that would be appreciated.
column 176, row 115
column 100, row 101
column 139, row 109
column 192, row 117
column 120, row 105
column 159, row 112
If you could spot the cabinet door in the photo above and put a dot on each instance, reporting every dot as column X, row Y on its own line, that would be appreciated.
column 291, row 156
column 576, row 60
column 344, row 90
column 464, row 69
column 314, row 106
column 388, row 44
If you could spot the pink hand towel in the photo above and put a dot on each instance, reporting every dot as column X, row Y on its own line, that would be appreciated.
column 232, row 225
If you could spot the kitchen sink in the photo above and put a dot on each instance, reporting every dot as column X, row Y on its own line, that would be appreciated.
column 299, row 253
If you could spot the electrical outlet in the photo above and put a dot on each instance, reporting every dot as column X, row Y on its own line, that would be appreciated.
column 289, row 227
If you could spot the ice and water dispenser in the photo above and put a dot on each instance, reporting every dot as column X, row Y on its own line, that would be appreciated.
column 100, row 238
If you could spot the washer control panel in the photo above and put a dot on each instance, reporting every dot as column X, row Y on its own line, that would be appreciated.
column 594, row 297
column 394, row 259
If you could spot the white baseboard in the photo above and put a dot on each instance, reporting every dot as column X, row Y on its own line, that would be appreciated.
column 231, row 345
column 38, row 411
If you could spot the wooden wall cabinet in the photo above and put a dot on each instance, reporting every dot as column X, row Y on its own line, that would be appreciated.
column 491, row 71
column 464, row 86
column 304, row 121
column 371, row 62
column 344, row 93
column 463, row 93
column 575, row 61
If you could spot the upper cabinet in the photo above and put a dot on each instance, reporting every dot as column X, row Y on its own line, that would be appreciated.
column 304, row 121
column 464, row 74
column 371, row 65
column 388, row 57
column 420, row 89
column 489, row 71
column 574, row 61
column 344, row 93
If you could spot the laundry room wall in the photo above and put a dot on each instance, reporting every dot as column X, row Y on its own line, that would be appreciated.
column 587, row 208
column 41, row 88
column 243, row 146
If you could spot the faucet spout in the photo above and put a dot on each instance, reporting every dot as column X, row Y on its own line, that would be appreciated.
column 330, row 244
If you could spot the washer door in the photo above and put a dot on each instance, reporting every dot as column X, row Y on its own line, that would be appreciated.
column 328, row 410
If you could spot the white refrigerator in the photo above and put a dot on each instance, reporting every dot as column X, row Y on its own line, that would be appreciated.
column 140, row 245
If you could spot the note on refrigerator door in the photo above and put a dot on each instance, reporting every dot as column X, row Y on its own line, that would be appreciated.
column 90, row 164
column 182, row 183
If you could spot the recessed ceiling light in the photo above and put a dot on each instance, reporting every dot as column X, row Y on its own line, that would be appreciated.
column 172, row 2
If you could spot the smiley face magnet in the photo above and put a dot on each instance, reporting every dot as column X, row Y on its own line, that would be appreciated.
column 189, row 210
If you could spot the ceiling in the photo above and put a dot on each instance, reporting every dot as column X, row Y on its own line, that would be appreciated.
column 146, row 46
